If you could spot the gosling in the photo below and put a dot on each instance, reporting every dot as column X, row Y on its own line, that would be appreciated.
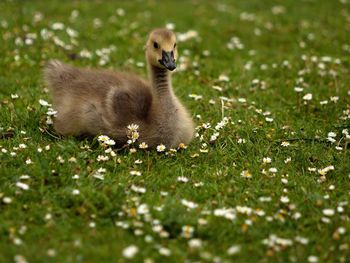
column 92, row 102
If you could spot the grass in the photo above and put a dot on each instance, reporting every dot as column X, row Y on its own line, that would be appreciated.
column 296, row 44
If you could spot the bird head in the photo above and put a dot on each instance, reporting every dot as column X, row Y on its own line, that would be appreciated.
column 161, row 50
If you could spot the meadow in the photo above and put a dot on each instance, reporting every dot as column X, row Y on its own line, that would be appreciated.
column 266, row 178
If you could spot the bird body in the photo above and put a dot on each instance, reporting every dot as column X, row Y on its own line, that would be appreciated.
column 92, row 102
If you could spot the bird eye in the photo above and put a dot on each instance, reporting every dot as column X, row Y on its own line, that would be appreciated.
column 175, row 45
column 155, row 45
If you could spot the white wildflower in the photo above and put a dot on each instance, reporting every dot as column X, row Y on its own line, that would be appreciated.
column 273, row 170
column 284, row 181
column 161, row 148
column 241, row 141
column 288, row 160
column 187, row 231
column 325, row 170
column 120, row 12
column 164, row 251
column 218, row 88
column 195, row 96
column 170, row 26
column 130, row 251
column 102, row 158
column 187, row 35
column 285, row 144
column 136, row 173
column 71, row 32
column 233, row 250
column 267, row 160
column 228, row 213
column 195, row 243
column 307, row 96
column 302, row 240
column 312, row 259
column 334, row 99
column 51, row 112
column 7, row 200
column 57, row 26
column 142, row 209
column 22, row 186
column 138, row 189
column 182, row 179
column 223, row 77
column 246, row 174
column 85, row 53
column 44, row 103
column 143, row 145
column 189, row 204
column 341, row 230
column 98, row 176
column 265, row 199
column 284, row 199
column 332, row 134
column 244, row 210
column 328, row 212
column 133, row 127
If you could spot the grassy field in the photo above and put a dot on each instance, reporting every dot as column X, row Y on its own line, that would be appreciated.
column 270, row 183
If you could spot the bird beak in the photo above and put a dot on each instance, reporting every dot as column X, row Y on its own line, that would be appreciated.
column 168, row 60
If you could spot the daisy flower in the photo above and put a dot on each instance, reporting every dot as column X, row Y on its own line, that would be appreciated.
column 161, row 148
column 285, row 144
column 143, row 145
column 130, row 251
column 133, row 127
column 182, row 146
column 103, row 138
column 246, row 174
column 307, row 96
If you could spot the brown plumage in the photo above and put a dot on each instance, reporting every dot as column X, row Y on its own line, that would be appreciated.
column 92, row 102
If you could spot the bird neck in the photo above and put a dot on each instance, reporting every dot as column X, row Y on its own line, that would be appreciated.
column 161, row 80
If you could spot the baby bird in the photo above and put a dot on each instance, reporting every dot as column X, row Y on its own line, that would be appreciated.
column 92, row 102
